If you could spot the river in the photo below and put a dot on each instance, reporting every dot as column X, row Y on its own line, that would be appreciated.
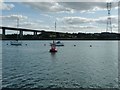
column 80, row 66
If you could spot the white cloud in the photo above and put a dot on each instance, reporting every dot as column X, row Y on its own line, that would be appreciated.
column 103, row 20
column 46, row 15
column 13, row 17
column 82, row 20
column 78, row 28
column 27, row 24
column 4, row 6
column 34, row 25
column 24, row 21
column 61, row 0
column 76, row 24
column 75, row 20
column 69, row 6
column 87, row 6
column 11, row 20
column 47, row 6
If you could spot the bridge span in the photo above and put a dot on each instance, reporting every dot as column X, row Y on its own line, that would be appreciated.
column 20, row 30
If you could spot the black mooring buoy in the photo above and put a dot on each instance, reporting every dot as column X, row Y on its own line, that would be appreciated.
column 74, row 45
column 90, row 45
column 44, row 44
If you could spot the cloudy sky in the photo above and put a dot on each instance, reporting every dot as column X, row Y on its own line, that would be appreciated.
column 86, row 17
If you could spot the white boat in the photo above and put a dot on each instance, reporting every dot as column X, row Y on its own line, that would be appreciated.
column 58, row 43
column 16, row 43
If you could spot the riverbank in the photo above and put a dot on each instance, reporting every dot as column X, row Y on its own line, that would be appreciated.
column 61, row 39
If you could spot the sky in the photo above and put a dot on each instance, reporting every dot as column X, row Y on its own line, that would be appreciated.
column 72, row 17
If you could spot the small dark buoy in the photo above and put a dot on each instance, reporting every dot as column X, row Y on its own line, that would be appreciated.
column 74, row 45
column 44, row 44
column 90, row 45
column 7, row 44
column 26, row 44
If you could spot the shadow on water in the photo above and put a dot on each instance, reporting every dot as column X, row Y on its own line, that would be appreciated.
column 53, row 54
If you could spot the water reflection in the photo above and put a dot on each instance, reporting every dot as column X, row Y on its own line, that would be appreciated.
column 53, row 55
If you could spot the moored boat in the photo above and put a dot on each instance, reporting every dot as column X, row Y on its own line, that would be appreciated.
column 58, row 43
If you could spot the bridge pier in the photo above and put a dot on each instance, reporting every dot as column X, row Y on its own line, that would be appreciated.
column 35, row 33
column 3, row 31
column 21, row 33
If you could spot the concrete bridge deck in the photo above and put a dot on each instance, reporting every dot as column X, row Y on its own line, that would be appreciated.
column 19, row 29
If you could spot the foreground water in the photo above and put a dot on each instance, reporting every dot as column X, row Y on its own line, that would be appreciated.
column 33, row 66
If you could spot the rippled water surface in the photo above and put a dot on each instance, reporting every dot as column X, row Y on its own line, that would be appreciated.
column 33, row 66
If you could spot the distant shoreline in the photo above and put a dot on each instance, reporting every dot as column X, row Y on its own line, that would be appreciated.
column 63, row 36
column 61, row 39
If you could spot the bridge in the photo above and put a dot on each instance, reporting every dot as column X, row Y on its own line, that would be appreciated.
column 19, row 29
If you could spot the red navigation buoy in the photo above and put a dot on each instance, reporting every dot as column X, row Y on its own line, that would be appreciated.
column 53, row 47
